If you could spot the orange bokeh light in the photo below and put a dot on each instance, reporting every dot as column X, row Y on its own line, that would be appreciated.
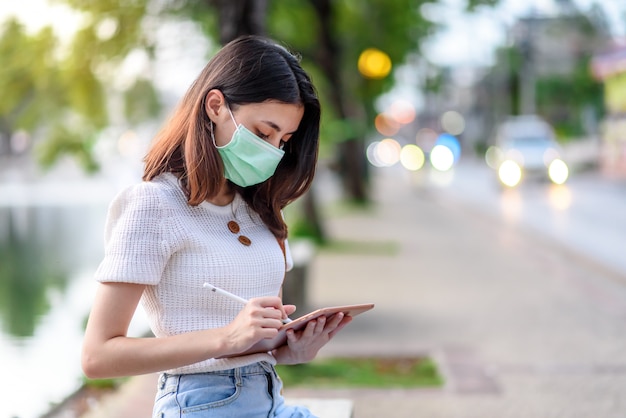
column 386, row 125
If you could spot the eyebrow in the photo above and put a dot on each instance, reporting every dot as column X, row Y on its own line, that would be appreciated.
column 276, row 127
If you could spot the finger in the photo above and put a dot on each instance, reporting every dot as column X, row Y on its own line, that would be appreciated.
column 289, row 309
column 321, row 323
column 273, row 314
column 346, row 321
column 336, row 319
column 291, row 336
column 309, row 330
column 276, row 303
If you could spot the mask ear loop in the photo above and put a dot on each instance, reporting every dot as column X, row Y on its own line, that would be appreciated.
column 211, row 132
column 211, row 125
column 232, row 117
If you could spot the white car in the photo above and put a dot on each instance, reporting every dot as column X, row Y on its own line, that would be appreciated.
column 525, row 148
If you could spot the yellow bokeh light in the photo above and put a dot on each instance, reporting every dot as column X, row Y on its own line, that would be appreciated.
column 412, row 157
column 374, row 63
column 558, row 171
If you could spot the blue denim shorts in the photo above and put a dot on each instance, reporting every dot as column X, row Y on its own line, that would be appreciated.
column 250, row 391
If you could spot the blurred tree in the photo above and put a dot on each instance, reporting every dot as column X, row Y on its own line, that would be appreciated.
column 59, row 93
column 329, row 34
column 37, row 95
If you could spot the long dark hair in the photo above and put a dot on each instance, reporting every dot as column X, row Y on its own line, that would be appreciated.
column 250, row 69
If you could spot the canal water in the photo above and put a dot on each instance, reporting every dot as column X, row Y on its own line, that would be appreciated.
column 51, row 241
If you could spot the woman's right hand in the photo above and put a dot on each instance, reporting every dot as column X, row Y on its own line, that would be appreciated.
column 260, row 318
column 108, row 351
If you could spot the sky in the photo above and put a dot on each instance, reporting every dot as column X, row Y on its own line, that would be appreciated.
column 469, row 40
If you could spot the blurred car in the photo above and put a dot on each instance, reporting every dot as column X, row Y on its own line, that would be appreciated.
column 524, row 149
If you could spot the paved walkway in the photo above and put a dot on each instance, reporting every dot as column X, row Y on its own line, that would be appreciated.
column 519, row 326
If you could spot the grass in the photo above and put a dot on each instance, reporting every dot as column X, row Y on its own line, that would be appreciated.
column 363, row 372
column 379, row 248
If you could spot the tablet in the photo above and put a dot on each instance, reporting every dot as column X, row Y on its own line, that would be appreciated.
column 270, row 344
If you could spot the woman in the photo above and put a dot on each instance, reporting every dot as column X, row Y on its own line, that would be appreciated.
column 241, row 145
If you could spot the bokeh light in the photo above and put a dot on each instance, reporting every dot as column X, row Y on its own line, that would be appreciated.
column 453, row 122
column 441, row 158
column 385, row 125
column 412, row 157
column 383, row 153
column 493, row 156
column 402, row 111
column 558, row 171
column 510, row 173
column 374, row 63
column 450, row 142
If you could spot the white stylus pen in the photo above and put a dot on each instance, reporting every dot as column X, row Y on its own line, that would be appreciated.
column 239, row 299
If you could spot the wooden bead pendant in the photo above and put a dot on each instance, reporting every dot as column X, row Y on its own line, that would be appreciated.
column 234, row 228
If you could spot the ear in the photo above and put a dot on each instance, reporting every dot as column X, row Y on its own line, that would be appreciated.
column 214, row 103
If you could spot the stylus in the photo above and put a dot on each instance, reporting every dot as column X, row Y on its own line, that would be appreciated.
column 236, row 298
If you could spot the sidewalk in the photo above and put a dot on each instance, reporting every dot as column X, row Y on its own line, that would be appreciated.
column 519, row 326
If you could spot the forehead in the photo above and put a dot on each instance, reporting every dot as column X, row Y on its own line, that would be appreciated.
column 286, row 116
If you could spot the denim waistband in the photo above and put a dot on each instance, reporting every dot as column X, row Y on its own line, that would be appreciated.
column 261, row 367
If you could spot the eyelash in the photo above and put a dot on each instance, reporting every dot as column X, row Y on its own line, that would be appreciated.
column 263, row 136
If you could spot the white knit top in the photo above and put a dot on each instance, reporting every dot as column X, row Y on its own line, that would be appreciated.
column 153, row 237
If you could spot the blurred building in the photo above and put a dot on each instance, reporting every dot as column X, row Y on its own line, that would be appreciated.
column 543, row 69
column 610, row 68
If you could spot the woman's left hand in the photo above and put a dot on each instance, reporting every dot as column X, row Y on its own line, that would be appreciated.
column 302, row 346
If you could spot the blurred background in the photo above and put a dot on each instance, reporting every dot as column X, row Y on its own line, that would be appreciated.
column 478, row 97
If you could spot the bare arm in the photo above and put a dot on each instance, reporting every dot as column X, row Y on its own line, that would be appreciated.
column 109, row 352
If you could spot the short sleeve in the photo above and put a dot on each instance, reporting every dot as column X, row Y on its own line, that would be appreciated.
column 136, row 246
column 288, row 257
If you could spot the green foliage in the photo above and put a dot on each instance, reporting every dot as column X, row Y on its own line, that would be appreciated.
column 363, row 372
column 58, row 94
column 394, row 26
column 50, row 83
column 29, row 80
column 473, row 5
column 103, row 384
column 562, row 99
column 74, row 141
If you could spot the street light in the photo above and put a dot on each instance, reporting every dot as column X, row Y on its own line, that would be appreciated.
column 374, row 63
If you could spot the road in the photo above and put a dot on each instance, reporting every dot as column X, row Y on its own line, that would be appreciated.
column 520, row 300
column 587, row 214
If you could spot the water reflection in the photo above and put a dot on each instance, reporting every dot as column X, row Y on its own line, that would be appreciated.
column 47, row 257
column 30, row 263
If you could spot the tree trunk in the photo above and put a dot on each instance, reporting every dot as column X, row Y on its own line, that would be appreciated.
column 351, row 154
column 241, row 17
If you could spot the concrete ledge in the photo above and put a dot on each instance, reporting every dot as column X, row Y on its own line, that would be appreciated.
column 325, row 408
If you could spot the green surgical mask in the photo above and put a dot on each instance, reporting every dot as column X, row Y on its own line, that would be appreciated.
column 248, row 160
